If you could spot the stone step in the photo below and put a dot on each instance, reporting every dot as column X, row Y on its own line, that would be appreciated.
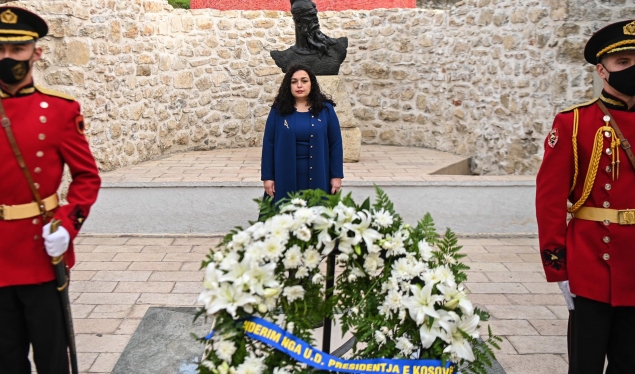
column 211, row 192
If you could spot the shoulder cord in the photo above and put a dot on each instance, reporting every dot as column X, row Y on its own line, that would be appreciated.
column 594, row 163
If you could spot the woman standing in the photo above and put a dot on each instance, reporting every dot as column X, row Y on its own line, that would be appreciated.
column 302, row 146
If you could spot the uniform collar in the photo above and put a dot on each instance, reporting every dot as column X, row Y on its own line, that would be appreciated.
column 25, row 90
column 614, row 103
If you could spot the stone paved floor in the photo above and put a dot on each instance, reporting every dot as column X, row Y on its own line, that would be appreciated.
column 378, row 163
column 118, row 278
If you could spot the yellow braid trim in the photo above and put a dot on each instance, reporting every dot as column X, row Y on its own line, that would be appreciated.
column 574, row 142
column 594, row 164
column 615, row 45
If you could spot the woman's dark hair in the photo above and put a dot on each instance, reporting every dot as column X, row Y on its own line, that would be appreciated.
column 285, row 101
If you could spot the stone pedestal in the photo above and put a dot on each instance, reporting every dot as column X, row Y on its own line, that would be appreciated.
column 333, row 85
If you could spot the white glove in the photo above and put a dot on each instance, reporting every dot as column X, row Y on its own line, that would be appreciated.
column 56, row 243
column 568, row 296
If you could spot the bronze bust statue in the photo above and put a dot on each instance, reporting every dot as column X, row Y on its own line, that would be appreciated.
column 324, row 55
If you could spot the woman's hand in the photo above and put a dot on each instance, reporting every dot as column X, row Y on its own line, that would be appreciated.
column 336, row 185
column 270, row 187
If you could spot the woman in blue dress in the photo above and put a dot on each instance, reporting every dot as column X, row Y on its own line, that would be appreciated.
column 302, row 145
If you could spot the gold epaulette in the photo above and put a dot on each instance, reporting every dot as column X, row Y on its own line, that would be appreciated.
column 579, row 105
column 48, row 91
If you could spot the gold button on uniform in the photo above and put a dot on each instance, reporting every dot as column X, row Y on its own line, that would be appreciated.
column 608, row 169
column 606, row 257
column 36, row 221
column 36, row 237
column 607, row 222
column 37, row 185
column 606, row 204
column 609, row 152
column 607, row 186
column 37, row 170
column 44, row 105
column 39, row 154
column 43, row 119
column 606, row 118
column 606, row 239
column 41, row 136
column 607, row 134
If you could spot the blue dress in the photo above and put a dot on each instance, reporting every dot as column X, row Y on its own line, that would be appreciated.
column 302, row 151
column 302, row 148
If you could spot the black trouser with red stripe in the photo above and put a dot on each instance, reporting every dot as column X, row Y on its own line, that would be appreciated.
column 598, row 331
column 32, row 314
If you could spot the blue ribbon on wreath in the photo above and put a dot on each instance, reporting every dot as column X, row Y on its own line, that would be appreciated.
column 285, row 342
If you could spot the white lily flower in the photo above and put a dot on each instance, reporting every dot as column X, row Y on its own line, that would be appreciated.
column 430, row 332
column 326, row 242
column 459, row 344
column 229, row 261
column 212, row 277
column 347, row 243
column 421, row 303
column 363, row 228
column 261, row 277
column 238, row 273
column 345, row 214
column 231, row 298
column 456, row 297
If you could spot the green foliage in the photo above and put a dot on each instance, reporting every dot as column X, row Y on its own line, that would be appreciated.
column 183, row 4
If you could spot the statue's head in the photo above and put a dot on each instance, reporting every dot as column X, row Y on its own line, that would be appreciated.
column 307, row 26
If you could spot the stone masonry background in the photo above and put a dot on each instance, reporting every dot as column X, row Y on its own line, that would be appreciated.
column 483, row 78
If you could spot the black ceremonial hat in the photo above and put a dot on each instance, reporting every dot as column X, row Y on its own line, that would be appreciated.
column 616, row 37
column 18, row 25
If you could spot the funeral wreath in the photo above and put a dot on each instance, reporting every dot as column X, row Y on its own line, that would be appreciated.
column 399, row 292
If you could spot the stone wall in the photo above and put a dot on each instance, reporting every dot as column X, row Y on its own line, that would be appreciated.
column 483, row 78
column 322, row 5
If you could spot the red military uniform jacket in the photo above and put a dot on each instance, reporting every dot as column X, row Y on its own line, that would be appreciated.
column 48, row 128
column 598, row 258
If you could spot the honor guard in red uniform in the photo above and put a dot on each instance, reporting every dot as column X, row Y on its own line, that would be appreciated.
column 48, row 130
column 589, row 163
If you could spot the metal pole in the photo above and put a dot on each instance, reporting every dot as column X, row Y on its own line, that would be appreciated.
column 330, row 283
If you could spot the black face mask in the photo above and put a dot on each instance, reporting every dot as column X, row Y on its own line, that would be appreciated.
column 13, row 71
column 623, row 81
